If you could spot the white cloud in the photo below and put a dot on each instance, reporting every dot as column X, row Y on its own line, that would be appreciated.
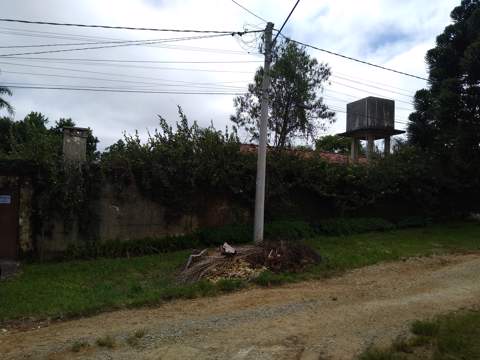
column 392, row 33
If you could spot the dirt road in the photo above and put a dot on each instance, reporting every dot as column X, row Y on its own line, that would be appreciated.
column 326, row 319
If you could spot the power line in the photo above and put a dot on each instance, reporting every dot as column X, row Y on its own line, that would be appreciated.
column 124, row 27
column 368, row 92
column 286, row 20
column 77, row 44
column 250, row 12
column 173, row 47
column 217, row 87
column 141, row 61
column 372, row 86
column 356, row 60
column 118, row 45
column 106, row 73
column 101, row 89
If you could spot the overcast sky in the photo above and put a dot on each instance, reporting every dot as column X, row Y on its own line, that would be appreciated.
column 391, row 33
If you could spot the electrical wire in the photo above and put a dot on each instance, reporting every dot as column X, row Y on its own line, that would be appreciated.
column 118, row 45
column 101, row 89
column 354, row 59
column 285, row 22
column 106, row 73
column 139, row 61
column 126, row 81
column 250, row 12
column 122, row 27
column 91, row 37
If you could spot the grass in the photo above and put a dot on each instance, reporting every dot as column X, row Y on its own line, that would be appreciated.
column 106, row 341
column 447, row 337
column 79, row 288
column 78, row 346
column 134, row 339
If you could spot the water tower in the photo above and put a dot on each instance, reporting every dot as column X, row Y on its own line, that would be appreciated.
column 370, row 119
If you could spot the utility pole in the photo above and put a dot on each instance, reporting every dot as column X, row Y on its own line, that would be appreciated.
column 262, row 142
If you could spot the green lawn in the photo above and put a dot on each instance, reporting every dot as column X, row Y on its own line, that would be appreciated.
column 448, row 337
column 85, row 287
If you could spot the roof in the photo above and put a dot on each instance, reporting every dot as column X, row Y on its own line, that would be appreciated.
column 305, row 153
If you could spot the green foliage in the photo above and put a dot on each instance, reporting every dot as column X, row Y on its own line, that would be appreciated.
column 232, row 234
column 447, row 116
column 78, row 346
column 4, row 104
column 424, row 328
column 288, row 230
column 343, row 226
column 180, row 168
column 139, row 247
column 296, row 108
column 333, row 144
column 451, row 336
column 61, row 190
column 106, row 341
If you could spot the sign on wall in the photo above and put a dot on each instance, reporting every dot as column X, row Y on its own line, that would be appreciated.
column 5, row 199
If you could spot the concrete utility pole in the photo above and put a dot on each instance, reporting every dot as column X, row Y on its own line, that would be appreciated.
column 262, row 142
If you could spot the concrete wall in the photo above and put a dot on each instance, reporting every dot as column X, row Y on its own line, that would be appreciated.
column 129, row 215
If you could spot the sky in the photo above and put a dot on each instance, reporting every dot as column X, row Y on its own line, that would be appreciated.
column 390, row 33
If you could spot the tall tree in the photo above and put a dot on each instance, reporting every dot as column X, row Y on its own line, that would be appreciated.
column 296, row 106
column 447, row 116
column 3, row 103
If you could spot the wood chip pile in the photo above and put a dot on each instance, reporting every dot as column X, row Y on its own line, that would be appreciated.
column 247, row 262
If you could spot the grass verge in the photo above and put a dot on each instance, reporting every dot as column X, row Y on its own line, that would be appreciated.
column 79, row 288
column 453, row 336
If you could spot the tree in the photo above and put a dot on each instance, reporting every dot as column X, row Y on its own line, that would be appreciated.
column 296, row 108
column 3, row 103
column 333, row 144
column 447, row 116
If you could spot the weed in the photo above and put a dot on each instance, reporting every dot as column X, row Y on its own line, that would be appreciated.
column 424, row 328
column 78, row 346
column 228, row 285
column 140, row 333
column 106, row 341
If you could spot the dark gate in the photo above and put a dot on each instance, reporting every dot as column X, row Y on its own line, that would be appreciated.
column 8, row 223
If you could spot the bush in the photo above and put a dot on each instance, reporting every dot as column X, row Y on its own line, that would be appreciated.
column 288, row 230
column 413, row 221
column 140, row 247
column 345, row 226
column 232, row 234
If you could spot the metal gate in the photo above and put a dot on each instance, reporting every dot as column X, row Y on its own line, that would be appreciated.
column 8, row 223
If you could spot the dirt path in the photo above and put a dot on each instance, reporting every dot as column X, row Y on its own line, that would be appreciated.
column 327, row 319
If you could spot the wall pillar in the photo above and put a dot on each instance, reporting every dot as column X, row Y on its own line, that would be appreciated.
column 386, row 147
column 370, row 146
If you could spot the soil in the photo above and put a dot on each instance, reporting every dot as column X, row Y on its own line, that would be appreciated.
column 334, row 318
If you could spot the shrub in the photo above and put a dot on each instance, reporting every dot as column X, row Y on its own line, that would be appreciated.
column 345, row 226
column 232, row 234
column 106, row 341
column 413, row 221
column 425, row 328
column 288, row 230
column 140, row 247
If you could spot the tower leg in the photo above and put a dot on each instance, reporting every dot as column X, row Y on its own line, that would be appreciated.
column 370, row 145
column 386, row 146
column 354, row 150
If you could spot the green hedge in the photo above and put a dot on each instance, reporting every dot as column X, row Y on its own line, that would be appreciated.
column 346, row 226
column 238, row 234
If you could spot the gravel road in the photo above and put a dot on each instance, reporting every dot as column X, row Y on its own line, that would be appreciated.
column 327, row 319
